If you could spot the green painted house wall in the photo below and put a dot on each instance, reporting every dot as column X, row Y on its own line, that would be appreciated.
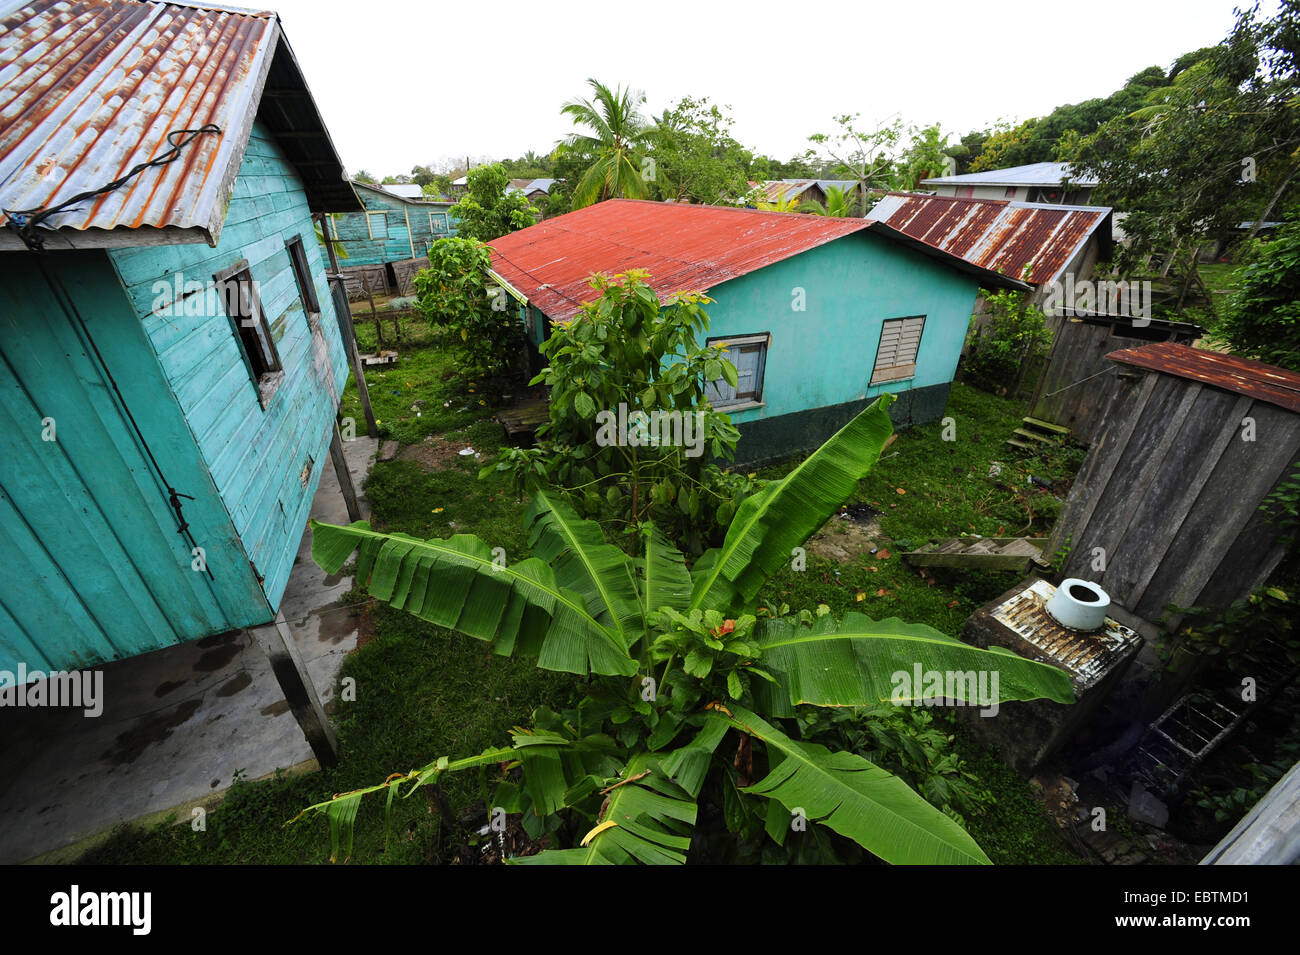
column 398, row 229
column 97, row 568
column 820, row 360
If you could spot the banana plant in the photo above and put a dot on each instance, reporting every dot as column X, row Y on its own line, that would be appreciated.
column 678, row 660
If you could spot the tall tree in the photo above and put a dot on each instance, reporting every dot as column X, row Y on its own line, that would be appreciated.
column 1218, row 145
column 489, row 209
column 696, row 159
column 615, row 144
column 866, row 154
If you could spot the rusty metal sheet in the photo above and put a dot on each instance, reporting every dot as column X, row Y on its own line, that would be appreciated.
column 90, row 88
column 684, row 247
column 1085, row 656
column 1241, row 376
column 996, row 234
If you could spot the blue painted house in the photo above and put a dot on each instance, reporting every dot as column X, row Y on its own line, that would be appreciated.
column 170, row 356
column 387, row 243
column 819, row 315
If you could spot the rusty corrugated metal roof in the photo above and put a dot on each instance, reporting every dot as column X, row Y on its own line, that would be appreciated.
column 997, row 234
column 91, row 88
column 684, row 247
column 1242, row 376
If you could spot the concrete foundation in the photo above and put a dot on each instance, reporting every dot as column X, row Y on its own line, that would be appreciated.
column 1028, row 732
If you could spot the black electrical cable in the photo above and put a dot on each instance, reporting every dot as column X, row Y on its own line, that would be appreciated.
column 25, row 221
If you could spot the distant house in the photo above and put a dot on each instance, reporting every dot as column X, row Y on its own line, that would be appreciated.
column 388, row 242
column 1036, row 242
column 803, row 190
column 534, row 190
column 171, row 356
column 819, row 315
column 407, row 190
column 1050, row 182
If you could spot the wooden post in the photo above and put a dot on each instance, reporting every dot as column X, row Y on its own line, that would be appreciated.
column 344, row 475
column 344, row 310
column 277, row 642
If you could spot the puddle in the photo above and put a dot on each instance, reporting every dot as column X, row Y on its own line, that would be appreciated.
column 154, row 729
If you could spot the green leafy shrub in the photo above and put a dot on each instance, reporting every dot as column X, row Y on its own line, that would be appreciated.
column 627, row 350
column 999, row 349
column 480, row 320
column 1262, row 319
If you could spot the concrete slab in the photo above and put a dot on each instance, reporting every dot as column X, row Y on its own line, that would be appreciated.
column 177, row 724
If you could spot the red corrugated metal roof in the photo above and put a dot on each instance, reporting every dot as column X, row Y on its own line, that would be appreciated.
column 91, row 88
column 684, row 247
column 996, row 234
column 1239, row 375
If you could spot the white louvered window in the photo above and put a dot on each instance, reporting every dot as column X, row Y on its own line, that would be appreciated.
column 749, row 354
column 900, row 339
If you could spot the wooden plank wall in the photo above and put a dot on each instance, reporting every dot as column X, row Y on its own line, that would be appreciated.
column 266, row 463
column 95, row 569
column 1067, row 393
column 1171, row 492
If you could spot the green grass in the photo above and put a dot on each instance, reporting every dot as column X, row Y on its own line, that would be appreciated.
column 424, row 692
column 425, row 374
column 1015, row 829
column 1220, row 276
column 947, row 491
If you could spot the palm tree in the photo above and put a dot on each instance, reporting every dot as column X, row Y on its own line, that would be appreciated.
column 618, row 135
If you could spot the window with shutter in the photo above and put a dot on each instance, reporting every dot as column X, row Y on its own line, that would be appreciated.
column 377, row 222
column 749, row 354
column 900, row 340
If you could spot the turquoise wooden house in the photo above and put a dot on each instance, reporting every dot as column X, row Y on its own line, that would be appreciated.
column 819, row 315
column 170, row 355
column 383, row 246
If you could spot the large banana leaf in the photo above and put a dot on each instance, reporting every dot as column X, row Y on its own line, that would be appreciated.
column 857, row 799
column 770, row 524
column 456, row 584
column 858, row 662
column 646, row 819
column 667, row 582
column 585, row 562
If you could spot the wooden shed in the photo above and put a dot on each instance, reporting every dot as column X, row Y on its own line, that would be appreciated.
column 1074, row 389
column 1167, row 507
column 171, row 359
column 384, row 245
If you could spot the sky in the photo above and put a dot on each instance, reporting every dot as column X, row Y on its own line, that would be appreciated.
column 401, row 82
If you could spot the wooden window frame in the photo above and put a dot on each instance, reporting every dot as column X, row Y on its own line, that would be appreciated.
column 445, row 230
column 302, row 273
column 266, row 380
column 370, row 230
column 904, row 371
column 739, row 402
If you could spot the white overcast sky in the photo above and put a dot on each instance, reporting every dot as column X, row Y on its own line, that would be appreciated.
column 401, row 82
